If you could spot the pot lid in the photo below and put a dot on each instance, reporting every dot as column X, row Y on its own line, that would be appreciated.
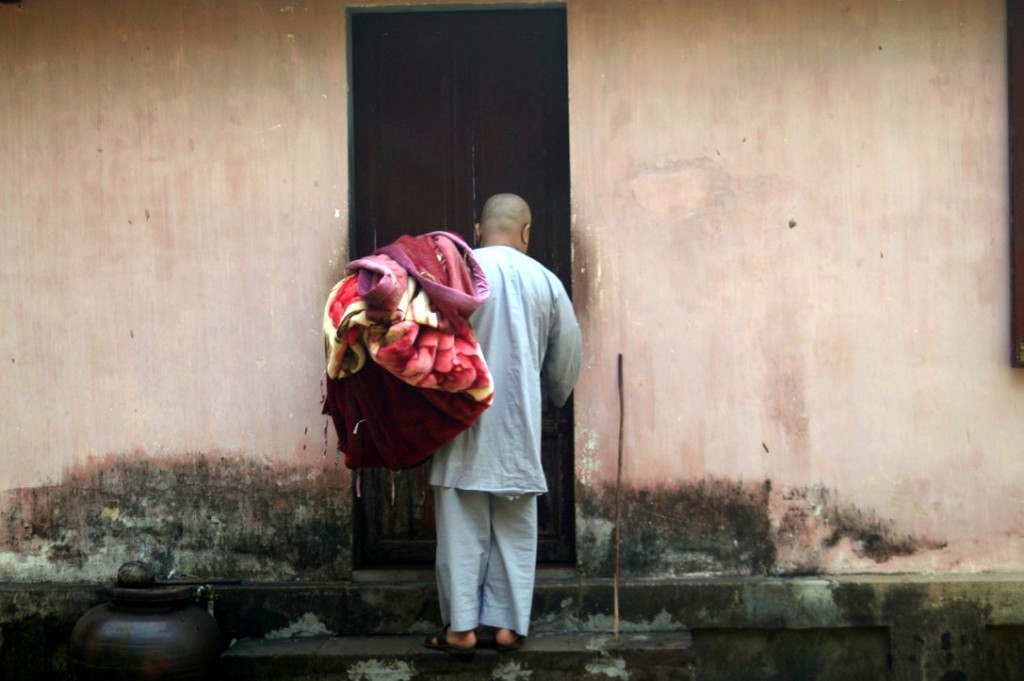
column 136, row 583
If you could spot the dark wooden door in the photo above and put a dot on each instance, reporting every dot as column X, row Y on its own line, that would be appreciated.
column 448, row 109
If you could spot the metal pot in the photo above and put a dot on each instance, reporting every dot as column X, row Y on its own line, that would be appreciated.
column 146, row 632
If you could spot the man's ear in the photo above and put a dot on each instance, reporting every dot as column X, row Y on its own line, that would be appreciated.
column 524, row 234
column 476, row 234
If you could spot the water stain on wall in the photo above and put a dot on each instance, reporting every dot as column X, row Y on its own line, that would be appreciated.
column 812, row 523
column 229, row 516
column 708, row 526
column 201, row 515
column 726, row 527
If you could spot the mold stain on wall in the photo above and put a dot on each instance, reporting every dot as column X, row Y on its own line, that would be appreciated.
column 812, row 524
column 707, row 526
column 228, row 516
column 716, row 526
column 208, row 515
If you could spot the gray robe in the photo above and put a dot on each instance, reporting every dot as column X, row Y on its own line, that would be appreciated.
column 526, row 328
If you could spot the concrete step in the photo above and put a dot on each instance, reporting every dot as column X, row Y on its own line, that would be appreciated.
column 648, row 656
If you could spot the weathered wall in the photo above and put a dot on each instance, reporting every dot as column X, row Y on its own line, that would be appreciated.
column 174, row 191
column 789, row 218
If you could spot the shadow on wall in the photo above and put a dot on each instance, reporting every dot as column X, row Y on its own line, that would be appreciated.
column 193, row 515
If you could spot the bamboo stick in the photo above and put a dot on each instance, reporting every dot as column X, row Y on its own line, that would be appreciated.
column 618, row 494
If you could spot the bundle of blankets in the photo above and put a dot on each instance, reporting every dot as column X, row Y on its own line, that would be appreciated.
column 404, row 369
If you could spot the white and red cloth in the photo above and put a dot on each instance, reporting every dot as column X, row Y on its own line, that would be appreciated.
column 405, row 373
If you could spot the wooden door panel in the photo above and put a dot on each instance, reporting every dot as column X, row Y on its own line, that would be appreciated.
column 518, row 148
column 448, row 109
column 392, row 147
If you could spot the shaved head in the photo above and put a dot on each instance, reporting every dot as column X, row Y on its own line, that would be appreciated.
column 505, row 221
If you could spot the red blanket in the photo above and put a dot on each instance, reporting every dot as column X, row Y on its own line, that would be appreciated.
column 426, row 380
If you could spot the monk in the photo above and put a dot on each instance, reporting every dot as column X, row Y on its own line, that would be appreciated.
column 486, row 481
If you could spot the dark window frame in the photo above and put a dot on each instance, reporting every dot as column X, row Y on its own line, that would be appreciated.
column 1015, row 73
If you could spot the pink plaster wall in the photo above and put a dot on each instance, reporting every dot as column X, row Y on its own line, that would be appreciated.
column 174, row 192
column 791, row 220
column 789, row 217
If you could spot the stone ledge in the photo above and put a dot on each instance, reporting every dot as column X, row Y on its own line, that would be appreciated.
column 553, row 657
column 577, row 604
column 911, row 627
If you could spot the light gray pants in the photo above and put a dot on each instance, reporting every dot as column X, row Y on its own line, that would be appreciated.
column 486, row 558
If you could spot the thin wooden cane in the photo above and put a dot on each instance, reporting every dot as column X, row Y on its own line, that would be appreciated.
column 618, row 494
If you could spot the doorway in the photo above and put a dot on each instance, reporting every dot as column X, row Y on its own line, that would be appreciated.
column 449, row 108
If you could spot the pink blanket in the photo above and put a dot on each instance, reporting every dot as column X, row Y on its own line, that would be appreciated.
column 406, row 309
